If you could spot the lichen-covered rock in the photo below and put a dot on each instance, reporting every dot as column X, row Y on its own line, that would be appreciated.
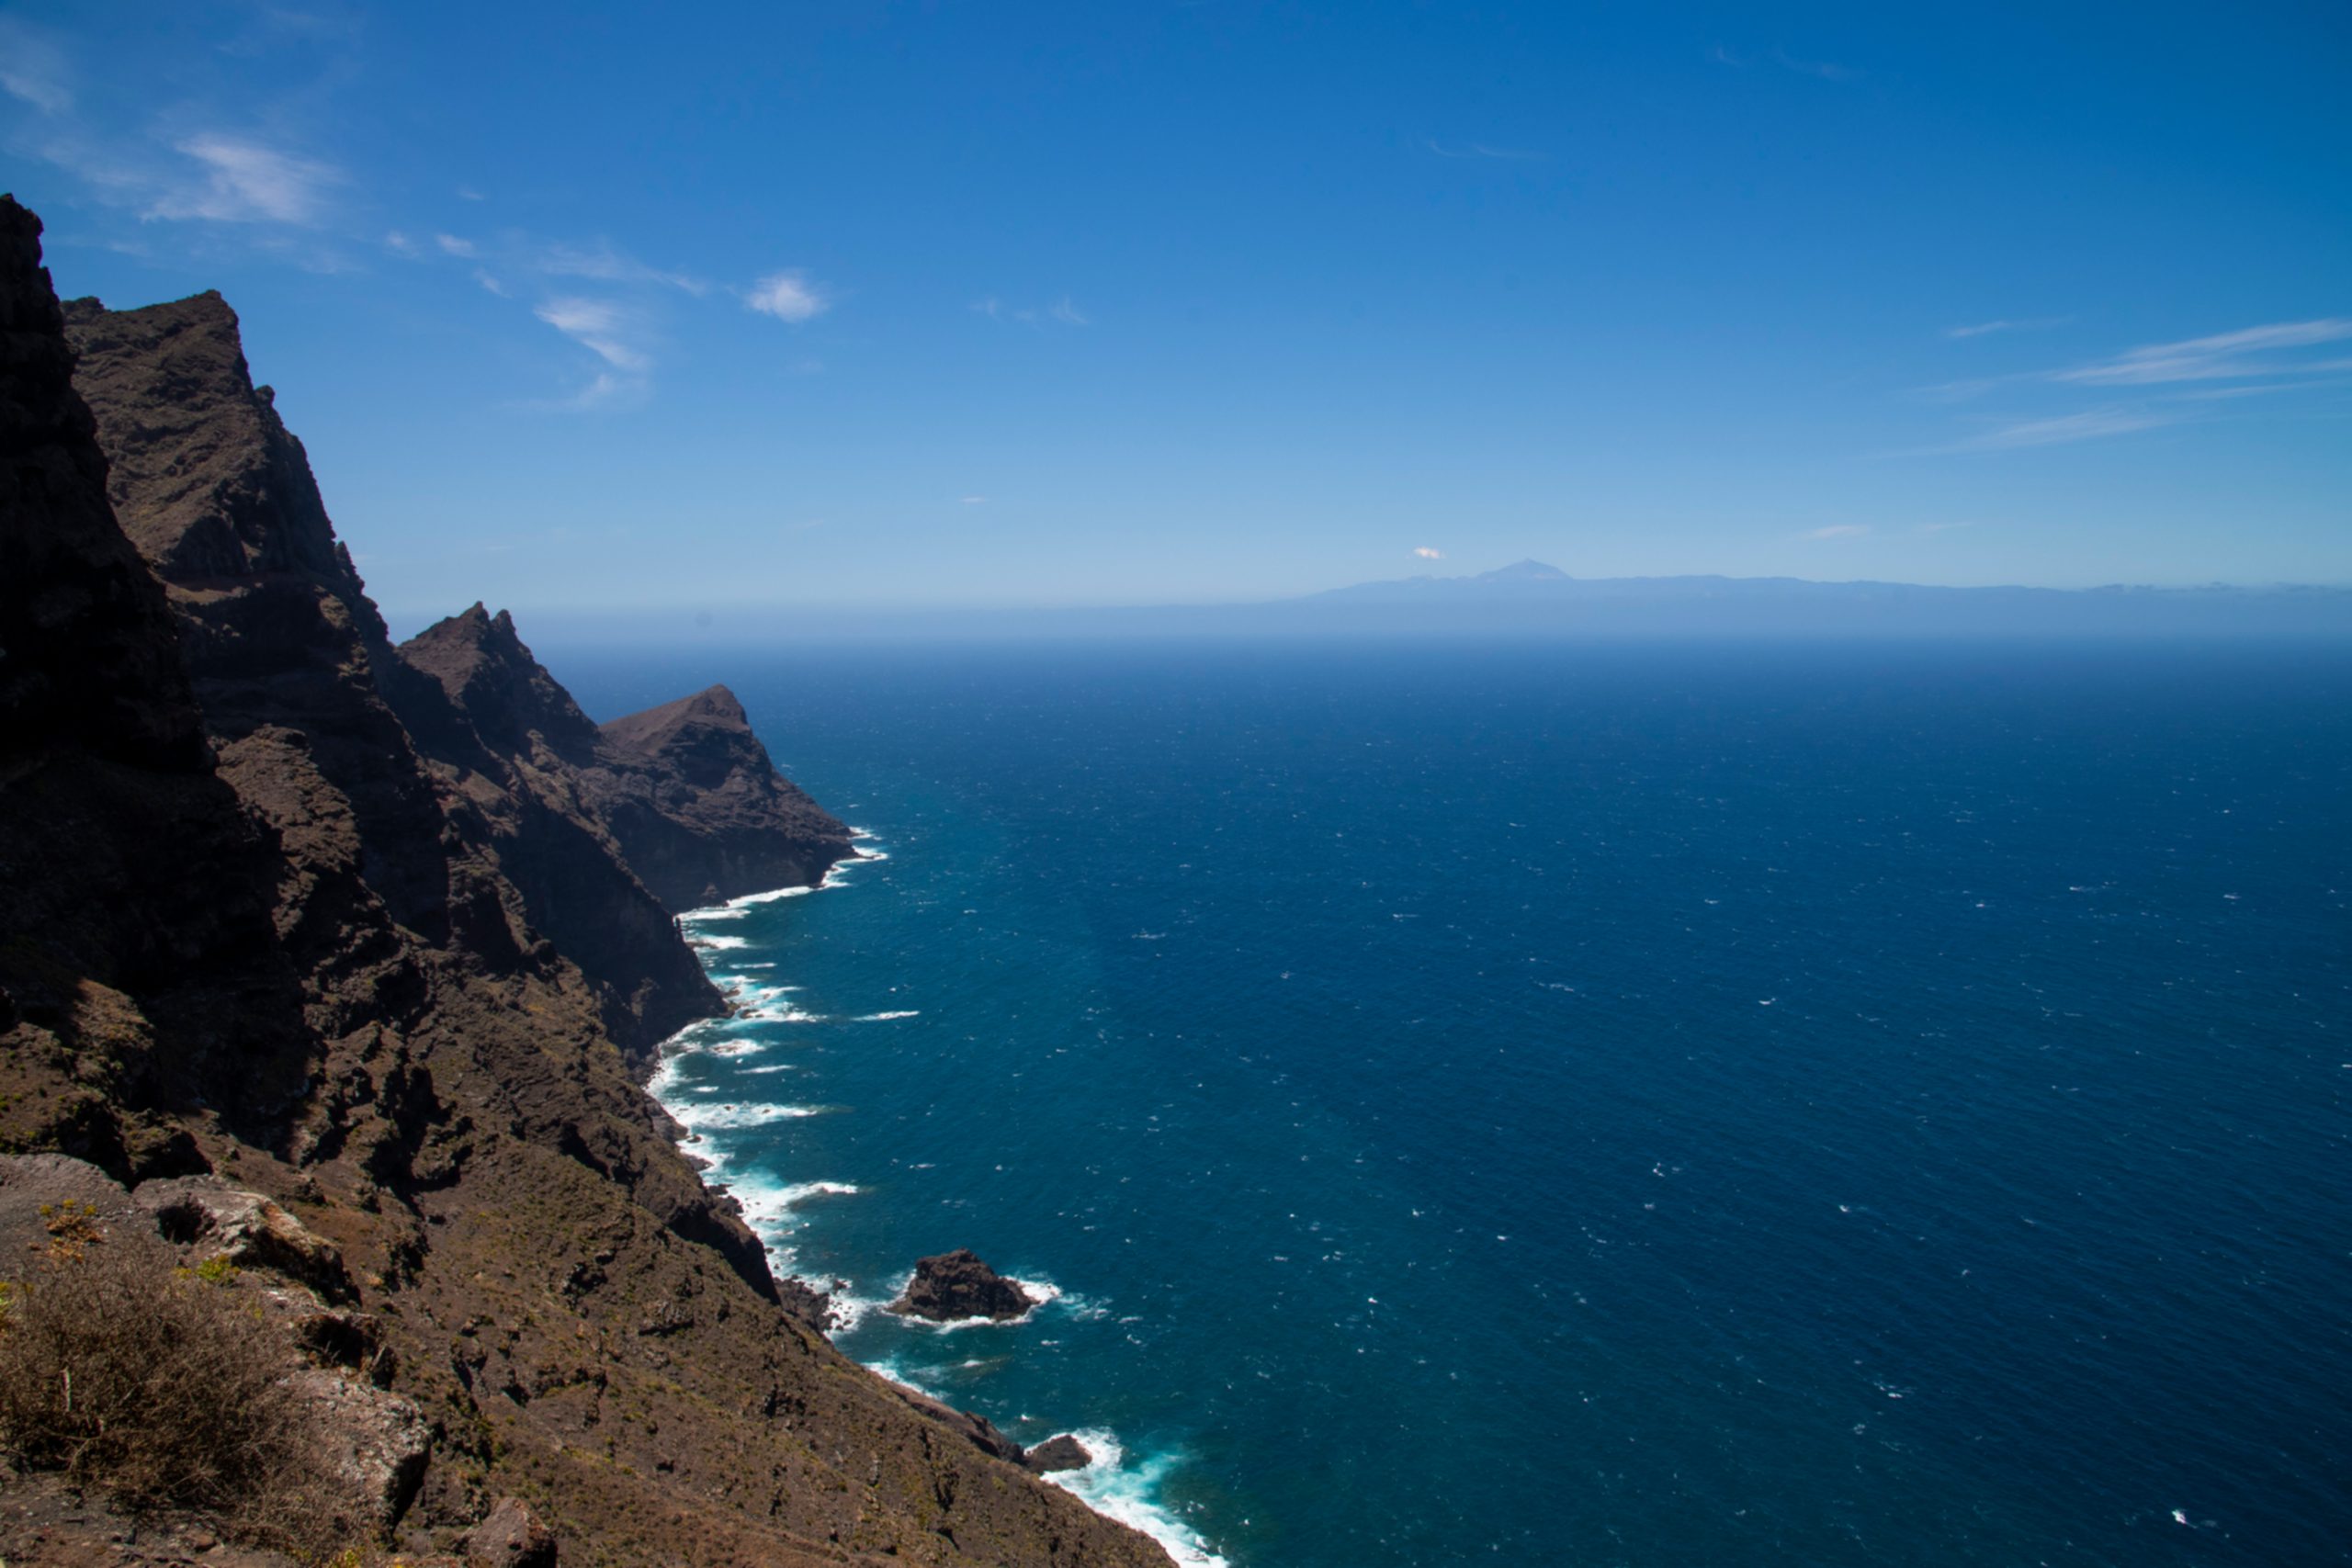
column 511, row 1537
column 379, row 1440
column 245, row 1229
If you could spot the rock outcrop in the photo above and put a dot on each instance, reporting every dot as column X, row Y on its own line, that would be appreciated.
column 264, row 921
column 955, row 1286
column 699, row 808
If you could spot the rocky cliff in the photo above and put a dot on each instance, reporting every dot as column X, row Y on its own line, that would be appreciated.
column 278, row 932
column 701, row 811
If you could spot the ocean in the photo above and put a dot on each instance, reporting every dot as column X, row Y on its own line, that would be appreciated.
column 1829, row 1104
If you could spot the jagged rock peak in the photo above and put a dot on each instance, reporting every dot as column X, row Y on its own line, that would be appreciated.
column 654, row 728
column 481, row 662
column 205, row 478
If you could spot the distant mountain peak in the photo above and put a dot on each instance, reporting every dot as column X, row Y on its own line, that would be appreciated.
column 1523, row 572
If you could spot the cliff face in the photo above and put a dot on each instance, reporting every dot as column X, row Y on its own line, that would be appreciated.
column 324, row 966
column 700, row 809
column 140, row 974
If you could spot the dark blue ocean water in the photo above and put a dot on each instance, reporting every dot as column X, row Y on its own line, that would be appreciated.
column 1553, row 1104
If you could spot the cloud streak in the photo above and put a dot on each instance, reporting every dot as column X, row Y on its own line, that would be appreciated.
column 2222, row 357
column 33, row 69
column 2093, row 424
column 245, row 182
column 1986, row 329
column 600, row 326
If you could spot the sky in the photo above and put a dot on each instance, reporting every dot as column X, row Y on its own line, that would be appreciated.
column 589, row 306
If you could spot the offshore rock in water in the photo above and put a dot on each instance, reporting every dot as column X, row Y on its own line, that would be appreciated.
column 957, row 1285
column 1064, row 1452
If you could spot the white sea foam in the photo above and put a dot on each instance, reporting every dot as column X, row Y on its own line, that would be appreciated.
column 737, row 1113
column 720, row 943
column 1129, row 1492
column 886, row 1017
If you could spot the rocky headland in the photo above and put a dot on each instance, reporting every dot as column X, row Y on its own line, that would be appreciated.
column 329, row 971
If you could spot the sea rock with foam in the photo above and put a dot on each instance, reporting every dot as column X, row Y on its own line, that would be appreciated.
column 955, row 1286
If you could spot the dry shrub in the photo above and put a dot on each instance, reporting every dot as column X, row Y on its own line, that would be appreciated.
column 164, row 1390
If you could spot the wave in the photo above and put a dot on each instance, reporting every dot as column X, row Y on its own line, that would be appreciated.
column 886, row 1017
column 737, row 1113
column 1129, row 1492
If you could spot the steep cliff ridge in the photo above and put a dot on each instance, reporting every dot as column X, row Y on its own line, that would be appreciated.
column 510, row 743
column 700, row 809
column 204, row 970
column 276, row 627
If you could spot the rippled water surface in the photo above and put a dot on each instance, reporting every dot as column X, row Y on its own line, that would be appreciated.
column 1586, row 1105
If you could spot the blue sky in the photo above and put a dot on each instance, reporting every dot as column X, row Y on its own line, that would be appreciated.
column 585, row 306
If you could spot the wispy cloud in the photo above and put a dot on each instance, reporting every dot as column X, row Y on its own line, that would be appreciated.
column 788, row 296
column 2222, row 357
column 973, row 499
column 1838, row 531
column 33, row 69
column 1986, row 329
column 488, row 281
column 603, row 263
column 242, row 181
column 1426, row 553
column 2093, row 424
column 1482, row 150
column 401, row 244
column 2162, row 384
column 452, row 245
column 600, row 326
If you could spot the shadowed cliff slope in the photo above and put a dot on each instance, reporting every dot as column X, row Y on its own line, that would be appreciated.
column 311, row 970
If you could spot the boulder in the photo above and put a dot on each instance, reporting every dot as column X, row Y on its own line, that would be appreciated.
column 512, row 1537
column 956, row 1285
column 381, row 1440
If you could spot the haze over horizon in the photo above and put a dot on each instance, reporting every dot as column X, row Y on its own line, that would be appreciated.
column 1215, row 302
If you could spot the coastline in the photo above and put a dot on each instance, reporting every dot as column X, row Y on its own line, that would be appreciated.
column 1114, row 1485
